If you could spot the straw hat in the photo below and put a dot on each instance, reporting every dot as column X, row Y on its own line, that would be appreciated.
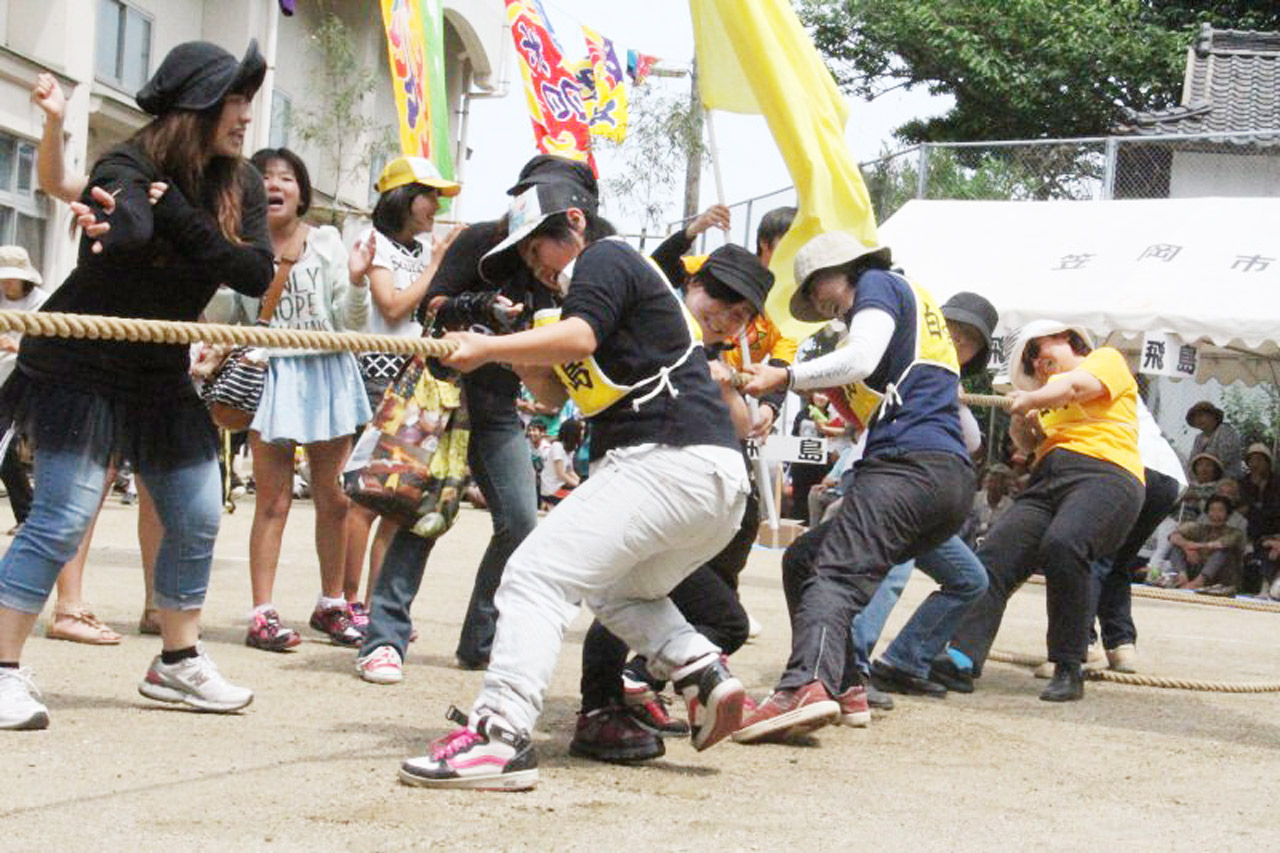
column 828, row 251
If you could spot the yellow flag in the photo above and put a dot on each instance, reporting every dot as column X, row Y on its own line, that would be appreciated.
column 755, row 57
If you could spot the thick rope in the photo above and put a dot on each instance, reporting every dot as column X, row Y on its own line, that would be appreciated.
column 995, row 401
column 95, row 327
column 1146, row 680
column 1187, row 597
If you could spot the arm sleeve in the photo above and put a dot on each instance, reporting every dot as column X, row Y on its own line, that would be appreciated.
column 601, row 290
column 970, row 430
column 349, row 304
column 870, row 331
column 668, row 256
column 1108, row 366
column 246, row 267
column 132, row 221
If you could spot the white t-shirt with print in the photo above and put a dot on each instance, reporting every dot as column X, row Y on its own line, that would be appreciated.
column 405, row 268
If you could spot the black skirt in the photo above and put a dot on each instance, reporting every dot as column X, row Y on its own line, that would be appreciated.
column 169, row 430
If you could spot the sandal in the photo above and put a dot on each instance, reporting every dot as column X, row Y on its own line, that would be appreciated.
column 149, row 623
column 77, row 624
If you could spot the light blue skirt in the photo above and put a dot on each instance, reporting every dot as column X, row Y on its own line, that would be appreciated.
column 310, row 398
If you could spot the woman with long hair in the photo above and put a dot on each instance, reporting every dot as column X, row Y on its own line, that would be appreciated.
column 313, row 399
column 87, row 403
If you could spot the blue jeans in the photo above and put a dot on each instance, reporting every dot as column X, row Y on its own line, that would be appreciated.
column 398, row 582
column 962, row 579
column 68, row 490
column 868, row 625
column 503, row 469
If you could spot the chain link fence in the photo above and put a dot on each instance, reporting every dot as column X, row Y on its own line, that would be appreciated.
column 1085, row 169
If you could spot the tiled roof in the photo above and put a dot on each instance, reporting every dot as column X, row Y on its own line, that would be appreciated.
column 1232, row 84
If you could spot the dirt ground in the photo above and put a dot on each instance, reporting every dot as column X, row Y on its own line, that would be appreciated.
column 311, row 765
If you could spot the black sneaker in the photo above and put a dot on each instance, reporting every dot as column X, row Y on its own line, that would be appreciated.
column 611, row 734
column 944, row 671
column 492, row 756
column 714, row 699
column 890, row 679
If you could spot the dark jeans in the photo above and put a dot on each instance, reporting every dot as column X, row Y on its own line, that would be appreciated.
column 710, row 605
column 899, row 507
column 1075, row 510
column 16, row 482
column 1110, row 591
column 402, row 568
column 503, row 469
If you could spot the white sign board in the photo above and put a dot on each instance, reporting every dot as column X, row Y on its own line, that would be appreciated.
column 1165, row 354
column 790, row 448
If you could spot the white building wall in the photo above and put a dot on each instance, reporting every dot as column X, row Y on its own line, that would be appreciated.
column 59, row 36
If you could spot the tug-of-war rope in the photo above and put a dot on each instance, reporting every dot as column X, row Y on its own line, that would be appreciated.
column 96, row 327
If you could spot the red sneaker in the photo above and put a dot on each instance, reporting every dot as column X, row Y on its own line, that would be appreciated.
column 789, row 713
column 854, row 709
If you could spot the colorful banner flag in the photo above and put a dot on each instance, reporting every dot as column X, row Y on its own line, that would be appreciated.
column 755, row 57
column 639, row 65
column 552, row 91
column 415, row 48
column 608, row 88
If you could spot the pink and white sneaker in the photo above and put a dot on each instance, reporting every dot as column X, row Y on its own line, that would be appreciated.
column 492, row 756
column 383, row 665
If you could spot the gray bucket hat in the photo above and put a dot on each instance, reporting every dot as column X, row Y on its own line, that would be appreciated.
column 828, row 251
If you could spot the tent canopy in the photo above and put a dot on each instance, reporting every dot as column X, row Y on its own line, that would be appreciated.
column 1204, row 269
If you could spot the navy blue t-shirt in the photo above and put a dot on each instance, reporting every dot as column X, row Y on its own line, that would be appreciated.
column 928, row 418
column 640, row 328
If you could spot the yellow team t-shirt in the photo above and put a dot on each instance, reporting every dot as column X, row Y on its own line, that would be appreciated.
column 765, row 342
column 1105, row 428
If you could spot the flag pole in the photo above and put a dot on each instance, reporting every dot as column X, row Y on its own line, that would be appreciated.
column 763, row 484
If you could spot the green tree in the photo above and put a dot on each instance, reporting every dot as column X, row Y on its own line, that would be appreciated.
column 1020, row 68
column 649, row 166
column 340, row 129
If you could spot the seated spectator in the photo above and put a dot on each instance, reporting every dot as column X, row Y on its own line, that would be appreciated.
column 1206, row 471
column 1207, row 554
column 558, row 478
column 1260, row 493
column 824, row 497
column 1230, row 489
column 989, row 503
column 1268, row 552
column 1217, row 438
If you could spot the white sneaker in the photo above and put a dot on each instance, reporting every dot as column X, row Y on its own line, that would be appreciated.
column 1275, row 588
column 195, row 682
column 381, row 666
column 753, row 627
column 19, row 701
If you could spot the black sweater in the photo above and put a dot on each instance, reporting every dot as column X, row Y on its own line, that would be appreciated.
column 161, row 261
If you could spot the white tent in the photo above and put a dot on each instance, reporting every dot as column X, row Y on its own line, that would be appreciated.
column 1204, row 269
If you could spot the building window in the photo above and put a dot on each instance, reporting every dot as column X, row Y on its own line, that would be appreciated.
column 22, row 211
column 281, row 118
column 124, row 45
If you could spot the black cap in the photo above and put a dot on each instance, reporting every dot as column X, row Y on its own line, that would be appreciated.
column 741, row 272
column 197, row 75
column 549, row 168
column 974, row 310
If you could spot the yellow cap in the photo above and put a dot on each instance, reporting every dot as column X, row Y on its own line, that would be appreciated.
column 693, row 263
column 415, row 170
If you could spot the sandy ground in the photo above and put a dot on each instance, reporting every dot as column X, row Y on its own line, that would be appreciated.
column 312, row 764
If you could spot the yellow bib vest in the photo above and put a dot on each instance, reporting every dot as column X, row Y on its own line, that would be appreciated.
column 591, row 389
column 933, row 346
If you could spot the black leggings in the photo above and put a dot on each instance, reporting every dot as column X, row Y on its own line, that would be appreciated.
column 1075, row 510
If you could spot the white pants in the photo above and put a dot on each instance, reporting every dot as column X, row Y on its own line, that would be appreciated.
column 621, row 541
